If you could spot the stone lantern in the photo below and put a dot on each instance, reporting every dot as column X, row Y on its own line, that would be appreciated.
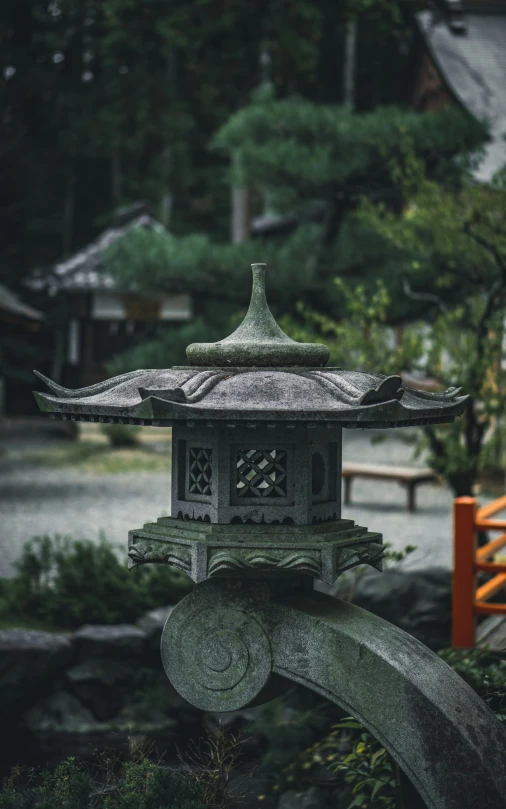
column 257, row 424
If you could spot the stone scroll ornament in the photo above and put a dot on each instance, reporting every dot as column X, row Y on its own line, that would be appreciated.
column 257, row 424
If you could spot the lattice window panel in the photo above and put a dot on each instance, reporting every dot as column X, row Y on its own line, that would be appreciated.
column 200, row 476
column 261, row 473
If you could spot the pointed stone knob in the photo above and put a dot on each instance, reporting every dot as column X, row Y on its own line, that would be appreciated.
column 258, row 341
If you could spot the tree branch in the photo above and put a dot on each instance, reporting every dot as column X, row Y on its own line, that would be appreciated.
column 436, row 444
column 487, row 246
column 423, row 296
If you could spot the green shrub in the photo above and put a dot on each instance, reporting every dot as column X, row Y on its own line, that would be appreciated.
column 484, row 671
column 368, row 770
column 140, row 785
column 121, row 435
column 66, row 583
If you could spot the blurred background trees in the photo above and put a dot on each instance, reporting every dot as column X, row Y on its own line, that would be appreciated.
column 104, row 103
column 284, row 131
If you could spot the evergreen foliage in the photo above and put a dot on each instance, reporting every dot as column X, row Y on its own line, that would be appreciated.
column 121, row 435
column 110, row 101
column 456, row 236
column 142, row 785
column 322, row 150
column 317, row 161
column 66, row 583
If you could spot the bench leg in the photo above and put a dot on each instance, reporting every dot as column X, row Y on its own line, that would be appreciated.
column 411, row 487
column 347, row 491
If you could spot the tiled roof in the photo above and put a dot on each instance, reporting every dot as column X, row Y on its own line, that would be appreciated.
column 10, row 303
column 472, row 61
column 82, row 271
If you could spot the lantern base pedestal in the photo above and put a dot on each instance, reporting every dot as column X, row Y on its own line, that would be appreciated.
column 207, row 550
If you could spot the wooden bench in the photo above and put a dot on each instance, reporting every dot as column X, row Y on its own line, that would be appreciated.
column 407, row 476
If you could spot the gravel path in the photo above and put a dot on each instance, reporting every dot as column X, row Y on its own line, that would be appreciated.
column 37, row 500
column 381, row 505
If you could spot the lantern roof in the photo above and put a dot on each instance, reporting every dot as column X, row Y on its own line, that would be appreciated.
column 258, row 373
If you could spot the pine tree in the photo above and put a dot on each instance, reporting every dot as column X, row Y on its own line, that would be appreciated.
column 317, row 161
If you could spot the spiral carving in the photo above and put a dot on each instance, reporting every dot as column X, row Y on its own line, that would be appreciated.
column 217, row 657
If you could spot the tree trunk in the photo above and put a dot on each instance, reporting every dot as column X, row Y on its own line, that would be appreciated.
column 116, row 176
column 241, row 224
column 68, row 211
column 335, row 213
column 350, row 58
column 167, row 198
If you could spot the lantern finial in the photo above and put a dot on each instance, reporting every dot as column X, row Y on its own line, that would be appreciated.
column 258, row 341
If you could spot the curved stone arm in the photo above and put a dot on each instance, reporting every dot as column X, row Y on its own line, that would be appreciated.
column 223, row 643
column 442, row 735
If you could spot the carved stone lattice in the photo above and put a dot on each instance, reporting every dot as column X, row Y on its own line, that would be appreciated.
column 201, row 470
column 261, row 473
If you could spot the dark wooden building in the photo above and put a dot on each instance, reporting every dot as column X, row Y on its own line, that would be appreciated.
column 20, row 324
column 97, row 320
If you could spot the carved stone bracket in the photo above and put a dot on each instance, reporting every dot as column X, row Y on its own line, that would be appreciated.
column 207, row 550
column 232, row 644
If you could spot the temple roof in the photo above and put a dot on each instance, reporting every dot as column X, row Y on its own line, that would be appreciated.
column 471, row 56
column 13, row 305
column 83, row 271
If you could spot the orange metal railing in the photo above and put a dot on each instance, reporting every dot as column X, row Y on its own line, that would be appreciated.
column 468, row 600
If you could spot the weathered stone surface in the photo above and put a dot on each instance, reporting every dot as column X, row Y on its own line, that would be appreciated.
column 28, row 659
column 118, row 641
column 440, row 732
column 418, row 601
column 279, row 395
column 208, row 549
column 258, row 341
column 218, row 658
column 101, row 684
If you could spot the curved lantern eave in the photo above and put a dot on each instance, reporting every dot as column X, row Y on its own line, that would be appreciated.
column 296, row 395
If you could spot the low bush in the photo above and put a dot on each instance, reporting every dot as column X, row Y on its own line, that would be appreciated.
column 66, row 583
column 140, row 785
column 121, row 435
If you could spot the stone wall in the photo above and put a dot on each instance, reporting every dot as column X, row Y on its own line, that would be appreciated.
column 73, row 693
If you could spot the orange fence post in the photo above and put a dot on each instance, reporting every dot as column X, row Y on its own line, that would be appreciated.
column 464, row 576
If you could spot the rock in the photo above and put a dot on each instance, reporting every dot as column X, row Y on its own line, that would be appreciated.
column 418, row 601
column 28, row 661
column 312, row 798
column 152, row 623
column 101, row 684
column 60, row 711
column 123, row 641
column 60, row 726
